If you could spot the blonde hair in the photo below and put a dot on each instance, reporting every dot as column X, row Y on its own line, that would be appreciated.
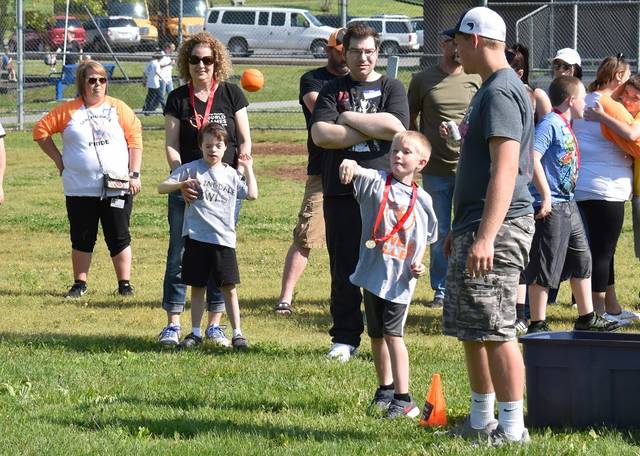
column 607, row 72
column 222, row 61
column 85, row 68
column 418, row 139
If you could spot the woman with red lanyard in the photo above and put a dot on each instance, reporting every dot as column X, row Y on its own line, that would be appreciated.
column 204, row 63
column 603, row 187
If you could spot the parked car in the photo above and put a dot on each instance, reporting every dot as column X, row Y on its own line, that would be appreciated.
column 418, row 26
column 120, row 32
column 245, row 29
column 52, row 36
column 396, row 32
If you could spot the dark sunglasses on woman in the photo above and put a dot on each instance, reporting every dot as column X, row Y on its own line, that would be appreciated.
column 207, row 60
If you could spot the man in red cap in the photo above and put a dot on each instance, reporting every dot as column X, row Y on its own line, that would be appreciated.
column 309, row 231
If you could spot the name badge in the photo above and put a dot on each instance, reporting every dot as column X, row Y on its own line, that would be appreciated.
column 117, row 203
column 369, row 94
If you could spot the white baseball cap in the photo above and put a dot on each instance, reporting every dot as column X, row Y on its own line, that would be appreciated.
column 568, row 55
column 481, row 21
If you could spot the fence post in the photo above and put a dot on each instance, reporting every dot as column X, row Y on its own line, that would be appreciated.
column 575, row 26
column 20, row 59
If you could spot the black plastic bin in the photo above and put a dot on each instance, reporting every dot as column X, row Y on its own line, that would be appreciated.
column 580, row 379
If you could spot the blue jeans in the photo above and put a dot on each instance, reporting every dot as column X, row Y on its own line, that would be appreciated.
column 441, row 191
column 165, row 89
column 174, row 293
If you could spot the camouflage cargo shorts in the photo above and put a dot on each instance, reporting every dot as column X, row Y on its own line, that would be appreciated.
column 484, row 308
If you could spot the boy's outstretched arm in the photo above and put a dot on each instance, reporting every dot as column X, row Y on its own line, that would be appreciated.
column 245, row 166
column 171, row 185
column 348, row 170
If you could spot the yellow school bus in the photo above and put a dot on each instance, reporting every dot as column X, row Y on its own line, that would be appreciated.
column 165, row 15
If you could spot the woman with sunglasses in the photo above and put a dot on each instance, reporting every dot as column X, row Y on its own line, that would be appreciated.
column 604, row 185
column 518, row 58
column 100, row 136
column 567, row 62
column 204, row 63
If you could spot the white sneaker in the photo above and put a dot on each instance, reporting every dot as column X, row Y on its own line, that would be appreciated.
column 341, row 352
column 170, row 335
column 625, row 317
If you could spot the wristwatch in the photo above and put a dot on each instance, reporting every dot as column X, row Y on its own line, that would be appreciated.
column 134, row 175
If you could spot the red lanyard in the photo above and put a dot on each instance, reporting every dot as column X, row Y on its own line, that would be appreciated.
column 383, row 205
column 207, row 110
column 575, row 141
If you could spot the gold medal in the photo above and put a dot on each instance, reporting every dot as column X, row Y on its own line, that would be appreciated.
column 370, row 244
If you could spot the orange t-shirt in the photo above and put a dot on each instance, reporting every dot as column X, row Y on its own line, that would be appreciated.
column 619, row 112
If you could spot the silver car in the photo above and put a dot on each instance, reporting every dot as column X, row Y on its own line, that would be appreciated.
column 120, row 32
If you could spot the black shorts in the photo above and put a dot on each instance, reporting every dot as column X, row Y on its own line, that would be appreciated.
column 384, row 318
column 560, row 249
column 202, row 261
column 114, row 214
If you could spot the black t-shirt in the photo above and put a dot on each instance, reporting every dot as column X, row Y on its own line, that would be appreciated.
column 228, row 100
column 344, row 94
column 313, row 81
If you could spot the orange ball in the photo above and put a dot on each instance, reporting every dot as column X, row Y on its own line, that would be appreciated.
column 252, row 80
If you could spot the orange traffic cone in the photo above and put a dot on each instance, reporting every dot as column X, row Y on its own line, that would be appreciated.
column 434, row 412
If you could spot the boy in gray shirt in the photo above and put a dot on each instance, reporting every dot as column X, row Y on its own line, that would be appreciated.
column 209, row 226
column 398, row 223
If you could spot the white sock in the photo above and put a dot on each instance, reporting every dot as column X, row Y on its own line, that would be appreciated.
column 482, row 409
column 511, row 418
column 236, row 332
column 196, row 331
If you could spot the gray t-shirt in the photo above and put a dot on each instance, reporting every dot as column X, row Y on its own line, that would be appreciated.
column 501, row 108
column 211, row 218
column 385, row 270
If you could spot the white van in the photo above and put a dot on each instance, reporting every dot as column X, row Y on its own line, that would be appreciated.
column 245, row 29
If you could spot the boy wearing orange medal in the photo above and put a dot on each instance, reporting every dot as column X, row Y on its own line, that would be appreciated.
column 398, row 222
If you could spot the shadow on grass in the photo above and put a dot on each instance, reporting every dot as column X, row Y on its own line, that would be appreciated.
column 190, row 428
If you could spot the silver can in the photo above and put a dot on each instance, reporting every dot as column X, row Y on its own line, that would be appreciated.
column 454, row 132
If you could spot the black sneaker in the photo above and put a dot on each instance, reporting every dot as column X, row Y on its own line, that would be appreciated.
column 521, row 327
column 597, row 323
column 76, row 290
column 189, row 342
column 239, row 342
column 381, row 400
column 437, row 303
column 538, row 326
column 125, row 289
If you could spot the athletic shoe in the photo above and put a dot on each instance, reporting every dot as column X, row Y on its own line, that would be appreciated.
column 125, row 289
column 625, row 317
column 464, row 430
column 190, row 342
column 538, row 326
column 437, row 303
column 216, row 334
column 498, row 438
column 342, row 352
column 398, row 409
column 239, row 342
column 597, row 323
column 76, row 290
column 170, row 335
column 381, row 400
column 521, row 327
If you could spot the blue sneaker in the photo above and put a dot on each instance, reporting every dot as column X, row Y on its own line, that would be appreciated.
column 170, row 335
column 216, row 334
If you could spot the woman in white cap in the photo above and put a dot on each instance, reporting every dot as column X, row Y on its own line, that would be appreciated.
column 567, row 62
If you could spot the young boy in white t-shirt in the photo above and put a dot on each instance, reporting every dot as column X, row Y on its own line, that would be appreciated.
column 209, row 227
column 398, row 222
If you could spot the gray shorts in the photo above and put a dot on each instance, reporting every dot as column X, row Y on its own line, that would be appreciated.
column 384, row 318
column 484, row 308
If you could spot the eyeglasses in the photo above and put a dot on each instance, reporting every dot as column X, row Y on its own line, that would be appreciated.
column 206, row 60
column 358, row 52
column 92, row 81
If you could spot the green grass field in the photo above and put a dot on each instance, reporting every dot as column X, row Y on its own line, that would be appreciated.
column 87, row 377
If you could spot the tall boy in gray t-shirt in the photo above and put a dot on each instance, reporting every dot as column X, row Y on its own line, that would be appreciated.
column 397, row 224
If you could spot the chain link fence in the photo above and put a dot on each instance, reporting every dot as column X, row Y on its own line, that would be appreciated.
column 595, row 28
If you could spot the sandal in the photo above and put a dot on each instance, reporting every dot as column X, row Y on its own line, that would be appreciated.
column 284, row 308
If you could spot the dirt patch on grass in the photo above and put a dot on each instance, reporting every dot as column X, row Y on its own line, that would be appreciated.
column 279, row 149
column 293, row 172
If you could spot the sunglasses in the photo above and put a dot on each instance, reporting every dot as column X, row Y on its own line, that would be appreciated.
column 206, row 60
column 92, row 81
column 561, row 66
